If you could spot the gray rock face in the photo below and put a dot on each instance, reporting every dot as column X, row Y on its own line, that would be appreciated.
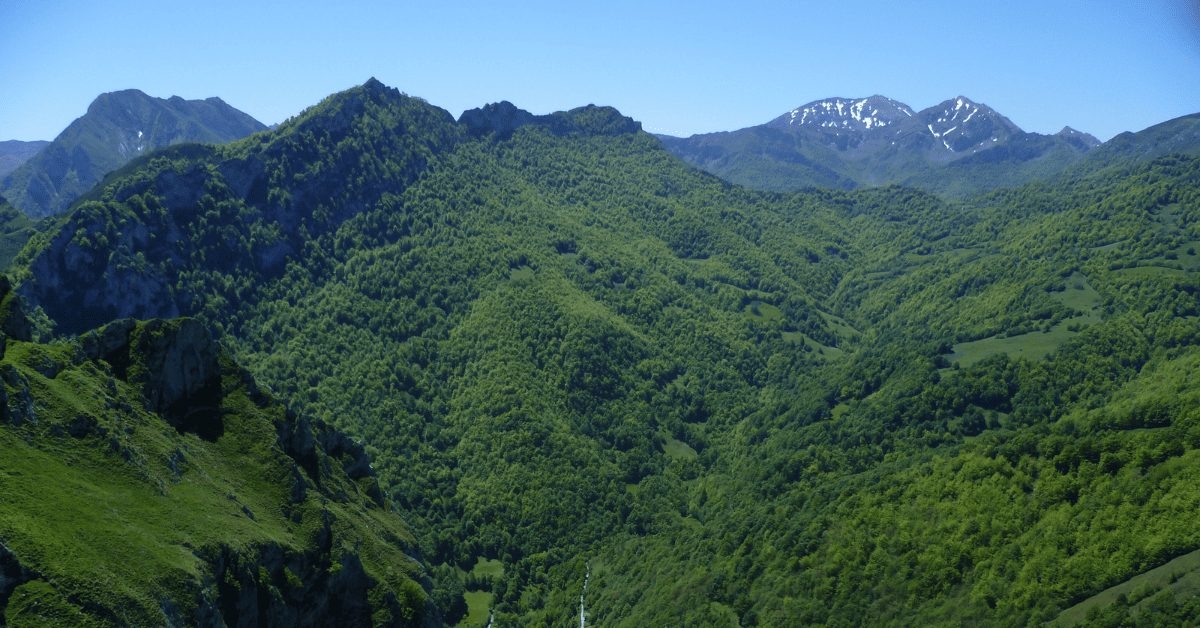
column 173, row 363
column 501, row 118
column 177, row 360
column 12, row 575
column 13, row 321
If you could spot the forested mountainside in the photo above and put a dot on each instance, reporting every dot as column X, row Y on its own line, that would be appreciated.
column 954, row 148
column 589, row 374
column 147, row 480
column 15, row 230
column 117, row 127
column 1179, row 136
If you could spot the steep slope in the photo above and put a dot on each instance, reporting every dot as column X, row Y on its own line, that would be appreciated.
column 955, row 147
column 15, row 230
column 117, row 127
column 571, row 354
column 13, row 153
column 148, row 480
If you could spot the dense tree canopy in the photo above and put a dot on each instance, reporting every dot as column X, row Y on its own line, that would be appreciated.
column 563, row 347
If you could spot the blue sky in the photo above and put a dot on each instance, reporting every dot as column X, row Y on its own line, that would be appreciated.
column 1099, row 66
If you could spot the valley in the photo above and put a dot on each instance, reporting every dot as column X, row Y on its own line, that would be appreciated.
column 595, row 384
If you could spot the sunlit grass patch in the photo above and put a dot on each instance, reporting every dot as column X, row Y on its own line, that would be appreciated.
column 1181, row 575
column 678, row 449
column 818, row 350
column 1035, row 345
column 763, row 311
column 1148, row 272
column 488, row 568
column 479, row 605
column 1079, row 295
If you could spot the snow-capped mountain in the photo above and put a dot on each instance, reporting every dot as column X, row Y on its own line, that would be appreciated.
column 962, row 126
column 957, row 146
column 862, row 114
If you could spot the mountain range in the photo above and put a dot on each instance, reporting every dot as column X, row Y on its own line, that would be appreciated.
column 955, row 147
column 13, row 153
column 117, row 127
column 527, row 370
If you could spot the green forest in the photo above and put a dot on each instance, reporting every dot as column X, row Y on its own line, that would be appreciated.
column 581, row 367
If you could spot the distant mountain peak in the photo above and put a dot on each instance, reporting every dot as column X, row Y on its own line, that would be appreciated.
column 963, row 125
column 1071, row 134
column 858, row 114
column 117, row 127
column 850, row 142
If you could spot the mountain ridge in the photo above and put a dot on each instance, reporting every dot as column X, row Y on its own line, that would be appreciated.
column 846, row 143
column 602, row 384
column 117, row 127
column 13, row 153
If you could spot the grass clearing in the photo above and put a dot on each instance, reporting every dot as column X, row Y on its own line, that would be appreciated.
column 819, row 350
column 1149, row 272
column 479, row 607
column 679, row 449
column 839, row 326
column 991, row 257
column 1035, row 345
column 1189, row 261
column 1112, row 246
column 1079, row 295
column 521, row 275
column 763, row 311
column 916, row 259
column 1181, row 575
column 489, row 568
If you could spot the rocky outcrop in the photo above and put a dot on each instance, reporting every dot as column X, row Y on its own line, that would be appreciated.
column 12, row 575
column 173, row 363
column 503, row 118
column 13, row 322
column 313, row 539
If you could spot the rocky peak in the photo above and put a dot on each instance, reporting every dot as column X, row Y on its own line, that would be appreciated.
column 1087, row 139
column 961, row 125
column 857, row 114
column 501, row 118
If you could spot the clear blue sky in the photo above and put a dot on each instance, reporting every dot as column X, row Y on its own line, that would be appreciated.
column 1100, row 66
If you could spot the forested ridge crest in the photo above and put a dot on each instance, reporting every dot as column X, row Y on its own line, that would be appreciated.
column 773, row 408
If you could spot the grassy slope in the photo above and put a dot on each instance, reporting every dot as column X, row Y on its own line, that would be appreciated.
column 123, row 520
column 522, row 330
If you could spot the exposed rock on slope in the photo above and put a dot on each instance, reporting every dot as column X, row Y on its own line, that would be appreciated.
column 243, row 515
